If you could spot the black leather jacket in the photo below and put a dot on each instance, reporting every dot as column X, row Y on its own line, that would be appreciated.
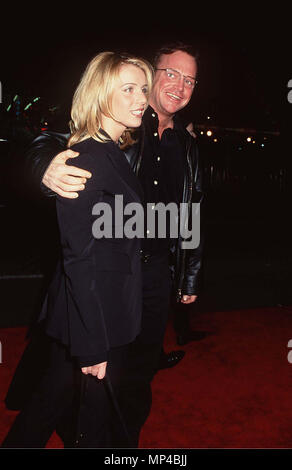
column 186, row 263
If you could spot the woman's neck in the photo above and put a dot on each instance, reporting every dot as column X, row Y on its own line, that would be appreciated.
column 113, row 128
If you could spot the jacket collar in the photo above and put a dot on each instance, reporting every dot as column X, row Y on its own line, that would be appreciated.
column 123, row 167
column 120, row 162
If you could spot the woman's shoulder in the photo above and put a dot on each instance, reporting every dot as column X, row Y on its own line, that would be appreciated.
column 91, row 153
column 90, row 146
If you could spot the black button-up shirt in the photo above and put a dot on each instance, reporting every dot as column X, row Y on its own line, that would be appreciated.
column 161, row 173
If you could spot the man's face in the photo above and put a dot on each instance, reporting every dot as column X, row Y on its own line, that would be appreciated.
column 169, row 93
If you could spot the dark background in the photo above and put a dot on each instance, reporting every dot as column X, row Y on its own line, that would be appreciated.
column 244, row 69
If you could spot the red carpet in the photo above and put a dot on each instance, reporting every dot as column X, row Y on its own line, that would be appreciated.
column 231, row 390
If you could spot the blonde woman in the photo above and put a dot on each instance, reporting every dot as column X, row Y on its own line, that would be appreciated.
column 92, row 310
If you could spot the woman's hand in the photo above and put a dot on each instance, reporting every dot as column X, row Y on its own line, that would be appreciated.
column 98, row 370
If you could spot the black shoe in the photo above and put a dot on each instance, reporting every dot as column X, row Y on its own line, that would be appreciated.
column 170, row 359
column 190, row 336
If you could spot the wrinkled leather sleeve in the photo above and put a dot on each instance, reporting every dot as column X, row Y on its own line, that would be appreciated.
column 40, row 153
column 193, row 271
column 193, row 265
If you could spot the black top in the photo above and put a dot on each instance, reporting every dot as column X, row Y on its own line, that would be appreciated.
column 161, row 172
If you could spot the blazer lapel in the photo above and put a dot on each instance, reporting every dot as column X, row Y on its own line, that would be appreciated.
column 123, row 167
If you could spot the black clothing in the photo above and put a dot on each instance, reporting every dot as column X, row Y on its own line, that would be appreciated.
column 136, row 397
column 93, row 305
column 80, row 308
column 59, row 393
column 186, row 262
column 160, row 174
column 138, row 361
column 181, row 182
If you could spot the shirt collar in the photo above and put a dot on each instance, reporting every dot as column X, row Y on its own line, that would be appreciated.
column 150, row 116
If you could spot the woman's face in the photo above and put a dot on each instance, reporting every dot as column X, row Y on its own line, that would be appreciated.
column 129, row 97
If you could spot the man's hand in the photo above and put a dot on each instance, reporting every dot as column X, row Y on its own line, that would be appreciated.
column 188, row 299
column 98, row 370
column 63, row 179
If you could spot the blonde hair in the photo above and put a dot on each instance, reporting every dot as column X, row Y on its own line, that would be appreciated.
column 93, row 96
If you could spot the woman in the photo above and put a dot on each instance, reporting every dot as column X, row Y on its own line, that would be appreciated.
column 92, row 310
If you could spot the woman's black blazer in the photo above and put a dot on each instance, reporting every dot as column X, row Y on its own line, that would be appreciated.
column 95, row 299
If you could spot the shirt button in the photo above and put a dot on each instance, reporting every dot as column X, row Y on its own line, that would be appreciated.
column 155, row 182
column 153, row 207
column 158, row 159
column 153, row 115
column 155, row 134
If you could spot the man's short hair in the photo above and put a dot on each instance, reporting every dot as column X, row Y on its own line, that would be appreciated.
column 174, row 47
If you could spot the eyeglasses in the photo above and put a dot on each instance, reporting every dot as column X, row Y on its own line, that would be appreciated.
column 175, row 75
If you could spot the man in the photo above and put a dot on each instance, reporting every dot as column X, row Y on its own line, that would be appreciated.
column 165, row 159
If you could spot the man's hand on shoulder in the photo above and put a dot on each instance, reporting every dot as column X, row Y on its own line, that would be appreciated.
column 63, row 179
